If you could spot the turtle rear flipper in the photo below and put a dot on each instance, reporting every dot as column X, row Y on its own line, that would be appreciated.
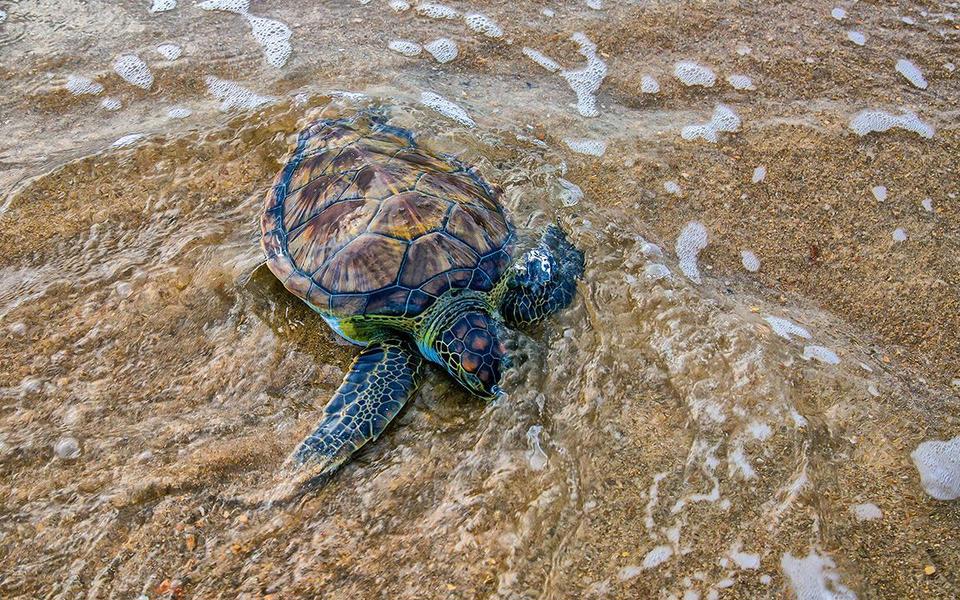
column 382, row 378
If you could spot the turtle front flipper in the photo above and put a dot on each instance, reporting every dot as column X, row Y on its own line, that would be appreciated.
column 379, row 383
column 542, row 281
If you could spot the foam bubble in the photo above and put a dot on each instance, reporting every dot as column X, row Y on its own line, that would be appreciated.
column 690, row 73
column 838, row 13
column 656, row 271
column 899, row 235
column 595, row 4
column 585, row 146
column 442, row 49
column 759, row 174
column 67, row 448
column 879, row 192
column 740, row 82
column 820, row 353
column 541, row 59
column 657, row 556
column 399, row 5
column 3, row 16
column 649, row 85
column 857, row 38
column 585, row 82
column 750, row 261
column 786, row 328
column 405, row 47
column 866, row 512
column 869, row 121
column 79, row 85
column 548, row 12
column 163, row 5
column 912, row 73
column 814, row 578
column 437, row 11
column 274, row 37
column 483, row 24
column 111, row 104
column 759, row 431
column 939, row 466
column 570, row 193
column 629, row 572
column 235, row 6
column 744, row 50
column 233, row 95
column 651, row 250
column 127, row 140
column 690, row 242
column 723, row 119
column 133, row 70
column 671, row 187
column 446, row 108
column 927, row 204
column 535, row 455
column 908, row 20
column 179, row 112
column 169, row 51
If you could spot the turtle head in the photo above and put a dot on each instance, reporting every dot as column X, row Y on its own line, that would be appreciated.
column 471, row 348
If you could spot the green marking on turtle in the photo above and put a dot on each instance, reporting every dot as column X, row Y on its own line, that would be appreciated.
column 410, row 255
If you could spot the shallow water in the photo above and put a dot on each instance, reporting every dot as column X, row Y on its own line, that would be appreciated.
column 662, row 438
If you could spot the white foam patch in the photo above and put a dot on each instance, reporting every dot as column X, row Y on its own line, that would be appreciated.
column 179, row 112
column 274, row 37
column 595, row 4
column 657, row 556
column 548, row 12
column 738, row 461
column 585, row 82
column 651, row 250
column 111, row 104
column 912, row 73
column 629, row 572
column 690, row 242
column 133, row 70
column 483, row 25
column 899, row 235
column 866, row 512
column 169, row 51
column 535, row 455
column 691, row 73
column 786, row 329
column 857, row 38
column 442, row 49
column 820, row 353
column 740, row 82
column 649, row 85
column 838, row 13
column 79, row 85
column 939, row 466
column 870, row 121
column 446, row 108
column 541, row 59
column 437, row 11
column 67, row 448
column 759, row 431
column 3, row 16
column 750, row 261
column 927, row 204
column 908, row 20
column 235, row 6
column 570, row 193
column 759, row 174
column 656, row 271
column 163, row 5
column 879, row 192
column 672, row 187
column 405, row 47
column 723, row 119
column 399, row 5
column 585, row 146
column 814, row 578
column 127, row 140
column 233, row 95
column 745, row 560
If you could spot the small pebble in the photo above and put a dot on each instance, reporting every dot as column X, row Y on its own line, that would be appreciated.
column 67, row 448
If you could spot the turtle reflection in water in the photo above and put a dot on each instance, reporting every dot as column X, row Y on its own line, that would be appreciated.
column 410, row 255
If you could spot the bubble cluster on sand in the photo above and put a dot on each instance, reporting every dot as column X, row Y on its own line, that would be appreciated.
column 740, row 82
column 235, row 6
column 79, row 85
column 814, row 577
column 437, row 11
column 857, row 38
column 585, row 82
column 399, row 5
column 838, row 13
column 127, row 140
column 938, row 464
column 570, row 193
column 723, row 119
column 912, row 73
column 671, row 187
column 535, row 455
column 866, row 512
column 869, row 121
column 759, row 174
column 656, row 271
column 233, row 95
column 541, row 59
column 586, row 146
column 446, row 108
column 67, row 448
column 133, row 70
column 274, row 37
column 649, row 85
column 179, row 112
column 692, row 239
column 786, row 328
column 750, row 261
column 657, row 556
column 690, row 73
column 595, row 4
column 899, row 235
column 483, row 25
column 927, row 204
column 3, row 16
column 442, row 49
column 111, row 103
column 169, row 51
column 163, row 5
column 821, row 354
column 879, row 192
column 405, row 47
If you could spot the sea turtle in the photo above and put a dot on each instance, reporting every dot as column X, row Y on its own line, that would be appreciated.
column 409, row 254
